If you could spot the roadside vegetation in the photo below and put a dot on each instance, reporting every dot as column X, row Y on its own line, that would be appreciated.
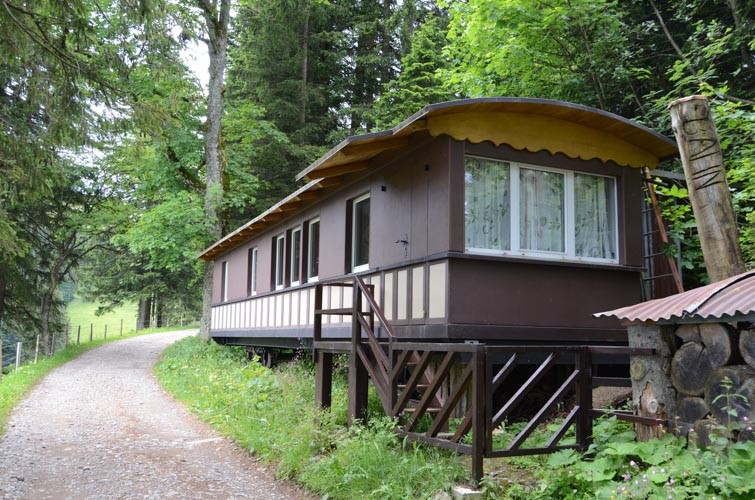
column 83, row 313
column 271, row 414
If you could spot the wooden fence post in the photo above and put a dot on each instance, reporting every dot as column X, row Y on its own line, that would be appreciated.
column 78, row 335
column 105, row 330
column 18, row 355
column 36, row 350
column 709, row 194
column 121, row 327
column 68, row 333
column 1, row 360
column 91, row 331
column 52, row 348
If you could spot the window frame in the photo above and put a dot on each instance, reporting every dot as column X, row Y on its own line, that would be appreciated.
column 294, row 256
column 279, row 261
column 362, row 267
column 253, row 262
column 569, row 216
column 312, row 278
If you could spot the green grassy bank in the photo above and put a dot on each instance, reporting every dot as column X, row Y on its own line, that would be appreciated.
column 82, row 314
column 271, row 413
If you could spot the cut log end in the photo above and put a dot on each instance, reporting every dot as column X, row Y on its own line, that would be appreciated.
column 708, row 346
column 688, row 411
column 747, row 346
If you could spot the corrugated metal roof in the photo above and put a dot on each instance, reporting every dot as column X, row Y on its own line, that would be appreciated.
column 731, row 299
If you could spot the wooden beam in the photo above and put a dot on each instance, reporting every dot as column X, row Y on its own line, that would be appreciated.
column 709, row 194
column 376, row 146
column 347, row 168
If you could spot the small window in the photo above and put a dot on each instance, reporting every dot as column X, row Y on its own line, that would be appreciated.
column 251, row 283
column 313, row 250
column 280, row 261
column 224, row 282
column 295, row 254
column 360, row 233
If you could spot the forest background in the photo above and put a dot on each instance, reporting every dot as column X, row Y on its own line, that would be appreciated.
column 103, row 172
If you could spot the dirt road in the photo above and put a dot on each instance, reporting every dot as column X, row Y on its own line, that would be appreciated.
column 102, row 427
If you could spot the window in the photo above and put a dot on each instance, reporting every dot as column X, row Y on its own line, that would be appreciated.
column 251, row 279
column 360, row 233
column 295, row 255
column 515, row 209
column 224, row 281
column 279, row 261
column 313, row 250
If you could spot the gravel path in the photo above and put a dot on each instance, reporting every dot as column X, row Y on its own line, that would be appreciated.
column 102, row 427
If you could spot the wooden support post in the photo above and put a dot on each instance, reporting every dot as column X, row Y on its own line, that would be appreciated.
column 106, row 330
column 18, row 355
column 323, row 379
column 358, row 377
column 78, row 335
column 68, row 334
column 1, row 360
column 478, row 415
column 709, row 193
column 36, row 350
column 653, row 393
column 91, row 331
column 584, row 398
column 121, row 327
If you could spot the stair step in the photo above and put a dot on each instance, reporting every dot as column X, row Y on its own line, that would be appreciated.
column 432, row 409
column 419, row 387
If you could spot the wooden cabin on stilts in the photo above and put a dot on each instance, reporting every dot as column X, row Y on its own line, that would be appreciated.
column 457, row 260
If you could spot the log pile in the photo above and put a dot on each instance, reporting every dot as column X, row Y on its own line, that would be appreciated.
column 714, row 373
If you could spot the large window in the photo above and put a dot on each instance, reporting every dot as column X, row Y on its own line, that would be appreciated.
column 251, row 278
column 279, row 261
column 295, row 253
column 360, row 233
column 516, row 209
column 313, row 250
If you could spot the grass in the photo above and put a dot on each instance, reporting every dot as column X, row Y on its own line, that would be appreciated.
column 271, row 413
column 82, row 313
column 15, row 384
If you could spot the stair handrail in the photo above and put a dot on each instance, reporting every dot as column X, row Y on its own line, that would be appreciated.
column 362, row 286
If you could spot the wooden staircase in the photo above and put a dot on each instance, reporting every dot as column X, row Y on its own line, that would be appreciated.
column 405, row 383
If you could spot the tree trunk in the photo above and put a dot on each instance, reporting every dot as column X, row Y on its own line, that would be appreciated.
column 304, row 68
column 747, row 346
column 730, row 393
column 710, row 346
column 709, row 194
column 145, row 307
column 653, row 394
column 216, row 17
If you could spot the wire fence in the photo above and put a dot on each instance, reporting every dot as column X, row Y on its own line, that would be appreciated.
column 16, row 351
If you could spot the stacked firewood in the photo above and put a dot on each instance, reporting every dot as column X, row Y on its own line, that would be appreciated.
column 714, row 374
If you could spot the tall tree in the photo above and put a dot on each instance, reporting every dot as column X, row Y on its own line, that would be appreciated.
column 216, row 15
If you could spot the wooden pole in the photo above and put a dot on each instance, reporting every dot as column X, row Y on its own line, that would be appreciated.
column 703, row 164
column 91, row 331
column 105, row 330
column 52, row 347
column 68, row 333
column 121, row 327
column 36, row 350
column 18, row 355
column 78, row 335
column 1, row 360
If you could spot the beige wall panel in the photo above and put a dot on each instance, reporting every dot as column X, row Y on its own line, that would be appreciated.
column 376, row 290
column 335, row 302
column 348, row 296
column 303, row 306
column 286, row 298
column 388, row 300
column 418, row 292
column 437, row 291
column 265, row 312
column 326, row 304
column 278, row 310
column 401, row 294
column 295, row 308
column 311, row 309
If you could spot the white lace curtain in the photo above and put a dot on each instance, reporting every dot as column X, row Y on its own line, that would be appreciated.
column 594, row 225
column 541, row 213
column 487, row 203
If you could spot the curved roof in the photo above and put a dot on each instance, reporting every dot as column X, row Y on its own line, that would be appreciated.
column 732, row 299
column 532, row 124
